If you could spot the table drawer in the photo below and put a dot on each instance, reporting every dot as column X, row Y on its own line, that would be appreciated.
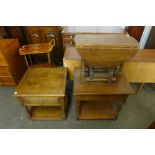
column 43, row 101
column 3, row 62
column 7, row 81
column 4, row 71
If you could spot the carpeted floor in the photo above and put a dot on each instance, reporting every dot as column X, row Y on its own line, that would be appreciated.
column 138, row 113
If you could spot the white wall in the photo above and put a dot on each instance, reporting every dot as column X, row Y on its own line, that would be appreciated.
column 106, row 29
column 145, row 36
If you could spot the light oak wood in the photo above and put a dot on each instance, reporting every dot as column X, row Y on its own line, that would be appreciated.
column 107, row 50
column 69, row 32
column 106, row 40
column 139, row 69
column 46, row 113
column 140, row 72
column 71, row 60
column 43, row 82
column 71, row 53
column 97, row 100
column 42, row 101
column 102, row 100
column 31, row 49
column 144, row 55
column 122, row 86
column 42, row 92
column 1, row 55
column 36, row 48
column 97, row 110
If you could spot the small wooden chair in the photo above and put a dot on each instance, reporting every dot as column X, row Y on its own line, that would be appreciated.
column 28, row 50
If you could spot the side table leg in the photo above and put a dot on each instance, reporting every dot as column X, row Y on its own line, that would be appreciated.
column 140, row 87
column 63, row 111
column 28, row 112
column 77, row 108
column 62, row 101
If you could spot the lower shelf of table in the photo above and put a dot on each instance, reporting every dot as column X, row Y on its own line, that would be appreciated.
column 47, row 113
column 93, row 110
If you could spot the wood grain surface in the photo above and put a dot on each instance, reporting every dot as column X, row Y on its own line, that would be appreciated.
column 43, row 81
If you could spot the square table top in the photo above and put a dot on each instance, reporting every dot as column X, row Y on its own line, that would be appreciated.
column 71, row 53
column 42, row 81
column 106, row 41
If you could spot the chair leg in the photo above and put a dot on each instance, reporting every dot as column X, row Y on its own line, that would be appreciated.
column 49, row 58
column 26, row 60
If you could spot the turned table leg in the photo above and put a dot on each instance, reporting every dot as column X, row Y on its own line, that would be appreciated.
column 77, row 108
column 62, row 102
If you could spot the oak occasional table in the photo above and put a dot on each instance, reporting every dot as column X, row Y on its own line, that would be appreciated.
column 97, row 100
column 42, row 92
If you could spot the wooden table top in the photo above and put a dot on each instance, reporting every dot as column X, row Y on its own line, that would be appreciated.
column 144, row 55
column 41, row 81
column 101, row 88
column 36, row 48
column 106, row 40
column 71, row 53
